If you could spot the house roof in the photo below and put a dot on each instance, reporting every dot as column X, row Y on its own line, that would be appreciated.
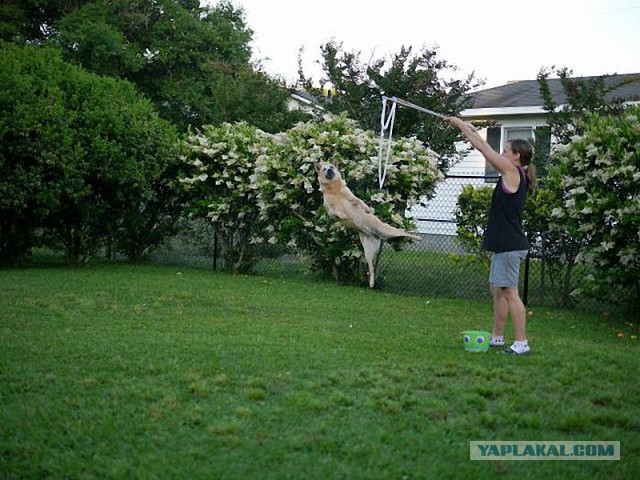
column 526, row 93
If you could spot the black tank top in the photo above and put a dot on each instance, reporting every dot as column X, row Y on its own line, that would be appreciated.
column 504, row 231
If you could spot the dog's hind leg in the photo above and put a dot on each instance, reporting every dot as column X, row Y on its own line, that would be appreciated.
column 386, row 231
column 371, row 247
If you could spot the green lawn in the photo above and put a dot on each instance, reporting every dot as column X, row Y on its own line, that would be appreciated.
column 118, row 371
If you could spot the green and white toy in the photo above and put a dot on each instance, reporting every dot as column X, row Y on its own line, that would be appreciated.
column 476, row 341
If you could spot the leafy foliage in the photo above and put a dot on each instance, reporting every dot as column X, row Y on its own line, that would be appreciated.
column 84, row 159
column 32, row 20
column 88, row 163
column 192, row 61
column 599, row 174
column 556, row 249
column 472, row 211
column 218, row 163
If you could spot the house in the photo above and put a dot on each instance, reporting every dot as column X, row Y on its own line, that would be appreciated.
column 515, row 110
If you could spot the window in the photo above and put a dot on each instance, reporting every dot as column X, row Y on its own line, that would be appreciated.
column 540, row 138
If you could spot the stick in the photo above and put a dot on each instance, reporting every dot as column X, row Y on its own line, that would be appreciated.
column 413, row 105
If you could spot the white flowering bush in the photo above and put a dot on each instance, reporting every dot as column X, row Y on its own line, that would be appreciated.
column 290, row 200
column 217, row 164
column 599, row 175
column 257, row 188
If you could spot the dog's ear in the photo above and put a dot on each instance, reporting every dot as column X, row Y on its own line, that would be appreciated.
column 317, row 166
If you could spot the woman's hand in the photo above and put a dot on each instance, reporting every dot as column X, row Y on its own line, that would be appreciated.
column 467, row 130
column 465, row 127
column 455, row 121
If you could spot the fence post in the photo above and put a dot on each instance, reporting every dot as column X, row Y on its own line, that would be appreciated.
column 215, row 250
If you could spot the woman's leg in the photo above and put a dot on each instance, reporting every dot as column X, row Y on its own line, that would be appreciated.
column 500, row 311
column 507, row 301
column 518, row 313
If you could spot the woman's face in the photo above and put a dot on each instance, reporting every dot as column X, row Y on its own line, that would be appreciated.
column 510, row 154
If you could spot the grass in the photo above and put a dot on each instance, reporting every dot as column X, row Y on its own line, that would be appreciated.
column 117, row 371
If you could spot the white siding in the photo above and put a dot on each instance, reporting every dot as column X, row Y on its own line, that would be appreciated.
column 437, row 217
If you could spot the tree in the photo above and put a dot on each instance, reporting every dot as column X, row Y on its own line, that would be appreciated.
column 32, row 20
column 415, row 78
column 583, row 97
column 84, row 159
column 193, row 62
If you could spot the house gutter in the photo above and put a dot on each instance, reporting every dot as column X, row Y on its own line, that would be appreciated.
column 492, row 113
column 501, row 112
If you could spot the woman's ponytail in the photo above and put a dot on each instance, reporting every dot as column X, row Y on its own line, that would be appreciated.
column 525, row 150
column 532, row 178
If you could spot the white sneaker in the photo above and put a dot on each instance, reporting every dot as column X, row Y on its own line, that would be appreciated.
column 518, row 348
column 496, row 342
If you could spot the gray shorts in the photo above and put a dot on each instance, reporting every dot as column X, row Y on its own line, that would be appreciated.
column 505, row 268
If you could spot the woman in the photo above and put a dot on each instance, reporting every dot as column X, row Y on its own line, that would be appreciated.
column 504, row 235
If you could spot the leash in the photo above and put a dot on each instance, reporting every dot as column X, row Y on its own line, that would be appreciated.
column 386, row 122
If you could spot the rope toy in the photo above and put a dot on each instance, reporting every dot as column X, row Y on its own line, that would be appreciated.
column 386, row 122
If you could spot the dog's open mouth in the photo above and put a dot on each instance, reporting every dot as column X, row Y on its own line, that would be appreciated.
column 330, row 173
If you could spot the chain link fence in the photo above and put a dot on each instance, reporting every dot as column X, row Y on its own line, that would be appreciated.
column 436, row 266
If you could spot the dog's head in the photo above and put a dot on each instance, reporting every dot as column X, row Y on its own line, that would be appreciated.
column 327, row 173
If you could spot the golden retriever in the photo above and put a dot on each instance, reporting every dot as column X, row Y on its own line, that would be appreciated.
column 341, row 204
